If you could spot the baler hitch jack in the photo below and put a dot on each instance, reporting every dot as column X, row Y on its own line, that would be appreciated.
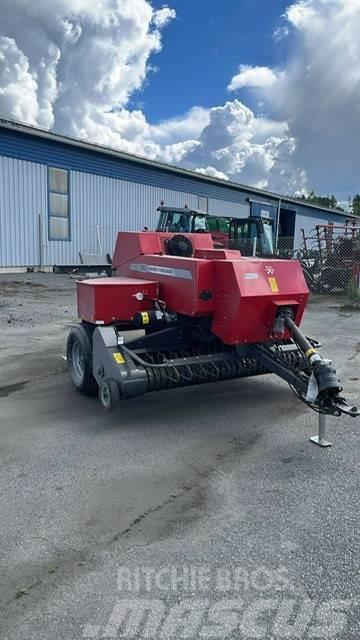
column 317, row 385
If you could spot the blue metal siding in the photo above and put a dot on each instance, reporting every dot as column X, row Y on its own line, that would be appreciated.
column 24, row 146
column 231, row 209
column 107, row 192
column 35, row 149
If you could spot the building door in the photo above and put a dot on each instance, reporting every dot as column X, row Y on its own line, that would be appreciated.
column 286, row 230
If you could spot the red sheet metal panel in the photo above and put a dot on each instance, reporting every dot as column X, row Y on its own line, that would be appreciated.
column 247, row 294
column 111, row 300
column 185, row 284
column 241, row 294
column 131, row 244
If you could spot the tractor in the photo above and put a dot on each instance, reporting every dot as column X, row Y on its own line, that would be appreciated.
column 251, row 235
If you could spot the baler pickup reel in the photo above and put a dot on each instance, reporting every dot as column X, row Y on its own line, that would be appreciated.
column 205, row 315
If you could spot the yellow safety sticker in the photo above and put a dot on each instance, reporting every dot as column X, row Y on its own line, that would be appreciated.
column 310, row 352
column 274, row 285
column 145, row 317
column 119, row 358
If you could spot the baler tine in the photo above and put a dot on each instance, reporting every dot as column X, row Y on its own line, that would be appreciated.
column 207, row 314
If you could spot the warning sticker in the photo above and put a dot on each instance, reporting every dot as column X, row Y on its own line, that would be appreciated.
column 274, row 285
column 119, row 358
column 145, row 317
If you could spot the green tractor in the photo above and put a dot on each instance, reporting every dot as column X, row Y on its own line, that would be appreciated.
column 251, row 236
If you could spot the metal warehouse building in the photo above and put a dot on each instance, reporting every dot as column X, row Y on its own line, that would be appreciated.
column 60, row 196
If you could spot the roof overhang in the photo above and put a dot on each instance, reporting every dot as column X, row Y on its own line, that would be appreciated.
column 121, row 155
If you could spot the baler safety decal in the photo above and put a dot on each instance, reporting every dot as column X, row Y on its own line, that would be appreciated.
column 119, row 358
column 184, row 274
column 273, row 285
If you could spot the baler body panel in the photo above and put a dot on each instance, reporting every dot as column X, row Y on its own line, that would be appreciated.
column 241, row 295
column 185, row 284
column 112, row 300
column 131, row 244
column 248, row 293
column 207, row 315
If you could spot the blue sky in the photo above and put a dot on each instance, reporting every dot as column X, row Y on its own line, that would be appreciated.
column 211, row 86
column 203, row 48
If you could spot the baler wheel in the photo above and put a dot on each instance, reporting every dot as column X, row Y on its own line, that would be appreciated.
column 79, row 360
column 109, row 394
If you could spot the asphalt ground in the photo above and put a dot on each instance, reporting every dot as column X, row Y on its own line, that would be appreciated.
column 196, row 513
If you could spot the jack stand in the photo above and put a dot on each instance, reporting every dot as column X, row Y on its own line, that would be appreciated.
column 320, row 438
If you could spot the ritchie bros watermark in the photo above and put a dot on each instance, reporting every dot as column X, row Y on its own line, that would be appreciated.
column 210, row 602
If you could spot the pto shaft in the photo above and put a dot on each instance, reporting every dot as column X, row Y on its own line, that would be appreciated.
column 324, row 372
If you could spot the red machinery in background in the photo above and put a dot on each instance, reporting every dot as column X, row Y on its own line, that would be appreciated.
column 206, row 315
column 330, row 257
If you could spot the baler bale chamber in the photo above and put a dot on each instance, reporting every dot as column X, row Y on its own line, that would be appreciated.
column 203, row 315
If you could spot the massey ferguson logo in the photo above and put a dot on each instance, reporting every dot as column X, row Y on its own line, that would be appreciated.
column 270, row 270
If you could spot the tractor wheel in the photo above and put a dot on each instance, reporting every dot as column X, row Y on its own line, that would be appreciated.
column 79, row 360
column 109, row 394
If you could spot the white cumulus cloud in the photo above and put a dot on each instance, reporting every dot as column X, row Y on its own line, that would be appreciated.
column 239, row 146
column 73, row 65
column 163, row 16
column 253, row 77
column 18, row 88
column 211, row 171
column 87, row 58
column 300, row 13
column 320, row 94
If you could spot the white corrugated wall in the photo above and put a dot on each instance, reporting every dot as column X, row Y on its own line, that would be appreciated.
column 111, row 205
column 108, row 203
column 308, row 223
column 23, row 196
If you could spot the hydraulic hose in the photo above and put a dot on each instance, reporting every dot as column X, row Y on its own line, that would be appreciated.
column 324, row 372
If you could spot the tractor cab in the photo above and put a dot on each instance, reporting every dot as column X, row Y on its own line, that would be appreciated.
column 181, row 220
column 253, row 234
column 250, row 235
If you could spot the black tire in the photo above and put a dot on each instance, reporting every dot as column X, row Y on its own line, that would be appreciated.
column 79, row 361
column 109, row 394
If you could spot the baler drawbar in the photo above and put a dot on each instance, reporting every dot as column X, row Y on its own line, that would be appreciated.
column 205, row 315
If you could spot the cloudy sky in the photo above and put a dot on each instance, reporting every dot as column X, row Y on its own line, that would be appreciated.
column 263, row 93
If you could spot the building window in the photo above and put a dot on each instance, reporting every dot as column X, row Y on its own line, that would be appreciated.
column 59, row 204
column 203, row 203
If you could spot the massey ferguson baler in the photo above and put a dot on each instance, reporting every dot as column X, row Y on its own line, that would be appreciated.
column 206, row 315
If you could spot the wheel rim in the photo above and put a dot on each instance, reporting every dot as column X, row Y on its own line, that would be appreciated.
column 78, row 365
column 105, row 395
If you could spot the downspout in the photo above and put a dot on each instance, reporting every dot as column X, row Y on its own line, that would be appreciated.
column 277, row 226
column 41, row 242
column 99, row 239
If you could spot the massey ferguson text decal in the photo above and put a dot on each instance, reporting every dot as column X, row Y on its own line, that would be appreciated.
column 184, row 274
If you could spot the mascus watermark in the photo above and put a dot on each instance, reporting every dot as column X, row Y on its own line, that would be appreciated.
column 216, row 602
